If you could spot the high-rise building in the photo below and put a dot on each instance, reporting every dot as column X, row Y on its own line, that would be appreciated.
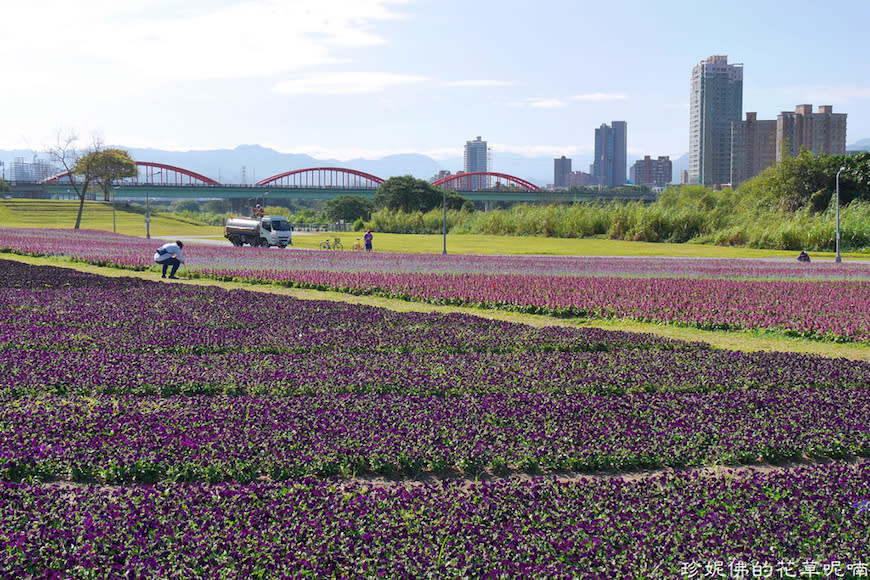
column 611, row 155
column 753, row 148
column 561, row 170
column 823, row 133
column 476, row 159
column 715, row 102
column 653, row 172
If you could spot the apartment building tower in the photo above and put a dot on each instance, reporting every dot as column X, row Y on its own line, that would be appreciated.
column 476, row 158
column 561, row 171
column 716, row 100
column 823, row 133
column 653, row 172
column 611, row 154
column 753, row 147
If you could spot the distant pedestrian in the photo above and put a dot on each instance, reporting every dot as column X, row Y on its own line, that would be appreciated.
column 368, row 240
column 803, row 257
column 169, row 255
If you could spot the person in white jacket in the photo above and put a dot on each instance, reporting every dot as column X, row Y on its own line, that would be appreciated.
column 170, row 255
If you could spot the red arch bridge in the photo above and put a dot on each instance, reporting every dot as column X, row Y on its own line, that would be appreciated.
column 163, row 181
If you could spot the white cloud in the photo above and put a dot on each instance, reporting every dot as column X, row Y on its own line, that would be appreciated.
column 479, row 83
column 560, row 102
column 547, row 103
column 343, row 83
column 540, row 103
column 600, row 97
column 93, row 64
column 147, row 41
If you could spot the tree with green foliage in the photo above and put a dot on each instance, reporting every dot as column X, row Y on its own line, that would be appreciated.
column 809, row 181
column 185, row 205
column 221, row 206
column 409, row 194
column 349, row 208
column 95, row 166
column 107, row 166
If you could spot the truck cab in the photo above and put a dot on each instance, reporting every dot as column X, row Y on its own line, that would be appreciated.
column 264, row 231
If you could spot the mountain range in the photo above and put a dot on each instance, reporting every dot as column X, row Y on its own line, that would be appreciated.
column 247, row 164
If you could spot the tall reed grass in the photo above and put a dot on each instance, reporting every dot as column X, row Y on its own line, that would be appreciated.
column 687, row 214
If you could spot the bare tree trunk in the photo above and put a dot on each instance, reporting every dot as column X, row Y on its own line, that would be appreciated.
column 81, row 208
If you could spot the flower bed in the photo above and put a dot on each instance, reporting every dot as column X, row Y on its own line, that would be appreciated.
column 126, row 439
column 834, row 304
column 309, row 387
column 242, row 433
column 779, row 524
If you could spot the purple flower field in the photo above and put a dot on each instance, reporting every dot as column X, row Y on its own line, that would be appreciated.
column 778, row 524
column 172, row 430
column 821, row 300
column 126, row 439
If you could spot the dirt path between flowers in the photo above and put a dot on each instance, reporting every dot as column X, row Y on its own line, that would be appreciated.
column 467, row 480
column 750, row 341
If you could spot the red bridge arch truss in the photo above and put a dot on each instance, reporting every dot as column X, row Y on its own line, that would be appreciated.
column 324, row 178
column 483, row 180
column 154, row 174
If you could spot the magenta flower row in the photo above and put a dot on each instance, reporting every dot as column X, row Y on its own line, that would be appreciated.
column 820, row 300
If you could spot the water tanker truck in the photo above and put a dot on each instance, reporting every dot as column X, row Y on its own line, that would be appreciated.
column 265, row 231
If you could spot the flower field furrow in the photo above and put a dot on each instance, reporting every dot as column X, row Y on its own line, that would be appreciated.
column 28, row 371
column 116, row 439
column 663, row 526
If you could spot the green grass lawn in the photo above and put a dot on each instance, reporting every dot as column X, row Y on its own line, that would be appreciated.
column 32, row 213
column 97, row 215
column 487, row 244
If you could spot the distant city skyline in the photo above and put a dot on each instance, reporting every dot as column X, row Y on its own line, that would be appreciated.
column 349, row 79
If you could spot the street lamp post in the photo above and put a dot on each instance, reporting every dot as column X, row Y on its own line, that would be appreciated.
column 838, row 259
column 147, row 217
column 114, row 193
column 444, row 217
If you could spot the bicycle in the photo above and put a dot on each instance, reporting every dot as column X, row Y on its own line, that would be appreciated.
column 335, row 245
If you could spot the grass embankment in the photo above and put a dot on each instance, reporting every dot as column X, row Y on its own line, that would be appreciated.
column 97, row 215
column 34, row 213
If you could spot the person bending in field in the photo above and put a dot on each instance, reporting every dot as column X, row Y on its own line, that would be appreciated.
column 169, row 255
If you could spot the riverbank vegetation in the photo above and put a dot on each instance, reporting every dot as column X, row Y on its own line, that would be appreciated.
column 790, row 206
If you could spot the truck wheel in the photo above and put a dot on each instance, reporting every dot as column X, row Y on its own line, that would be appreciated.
column 282, row 246
column 236, row 241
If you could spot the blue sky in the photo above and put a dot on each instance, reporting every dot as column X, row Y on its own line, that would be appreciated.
column 366, row 78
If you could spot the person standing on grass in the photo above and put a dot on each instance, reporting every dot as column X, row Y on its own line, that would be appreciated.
column 169, row 255
column 368, row 240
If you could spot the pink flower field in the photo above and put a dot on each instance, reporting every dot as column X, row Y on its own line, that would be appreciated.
column 821, row 300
